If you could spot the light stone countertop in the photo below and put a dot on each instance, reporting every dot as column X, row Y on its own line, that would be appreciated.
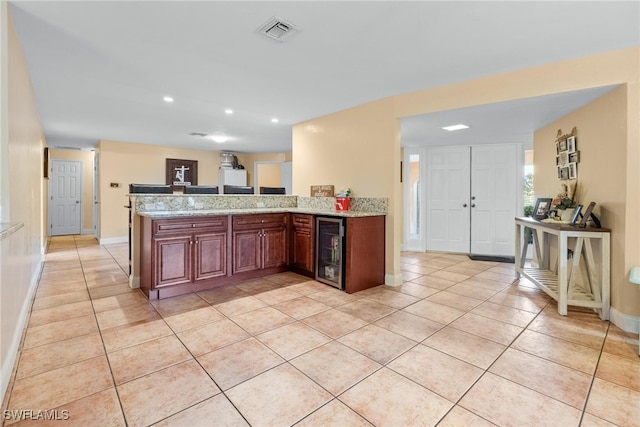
column 204, row 212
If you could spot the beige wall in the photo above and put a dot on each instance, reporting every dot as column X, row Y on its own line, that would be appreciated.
column 249, row 160
column 358, row 147
column 22, row 154
column 125, row 163
column 86, row 157
column 269, row 175
column 602, row 175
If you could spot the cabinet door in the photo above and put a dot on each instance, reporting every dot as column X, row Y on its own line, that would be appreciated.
column 302, row 249
column 274, row 247
column 210, row 255
column 246, row 250
column 172, row 261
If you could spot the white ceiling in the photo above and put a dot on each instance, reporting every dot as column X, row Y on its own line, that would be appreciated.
column 100, row 69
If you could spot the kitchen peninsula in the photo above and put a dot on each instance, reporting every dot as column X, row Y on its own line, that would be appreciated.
column 187, row 243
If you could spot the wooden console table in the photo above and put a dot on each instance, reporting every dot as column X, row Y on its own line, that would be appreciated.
column 556, row 281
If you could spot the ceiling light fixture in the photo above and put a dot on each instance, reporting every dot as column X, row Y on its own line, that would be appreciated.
column 274, row 120
column 168, row 99
column 219, row 138
column 455, row 127
column 228, row 111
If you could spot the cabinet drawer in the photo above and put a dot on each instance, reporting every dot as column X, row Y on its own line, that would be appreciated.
column 164, row 226
column 259, row 221
column 302, row 220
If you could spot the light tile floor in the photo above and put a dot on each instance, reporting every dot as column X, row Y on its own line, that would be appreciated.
column 458, row 344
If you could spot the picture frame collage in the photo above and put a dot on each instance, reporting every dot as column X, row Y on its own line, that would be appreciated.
column 567, row 158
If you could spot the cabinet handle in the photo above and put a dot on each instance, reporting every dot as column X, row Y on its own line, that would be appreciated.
column 473, row 205
column 193, row 225
column 191, row 242
column 464, row 206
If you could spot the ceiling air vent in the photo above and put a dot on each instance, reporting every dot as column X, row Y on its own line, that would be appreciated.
column 278, row 29
column 198, row 134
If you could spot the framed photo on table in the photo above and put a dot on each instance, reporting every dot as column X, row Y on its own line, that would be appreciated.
column 541, row 209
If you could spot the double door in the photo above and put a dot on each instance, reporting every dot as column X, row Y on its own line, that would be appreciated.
column 472, row 196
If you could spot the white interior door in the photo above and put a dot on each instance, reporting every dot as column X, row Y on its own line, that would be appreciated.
column 447, row 210
column 494, row 199
column 286, row 177
column 65, row 203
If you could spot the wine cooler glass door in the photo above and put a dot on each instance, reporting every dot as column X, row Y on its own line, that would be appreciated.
column 329, row 251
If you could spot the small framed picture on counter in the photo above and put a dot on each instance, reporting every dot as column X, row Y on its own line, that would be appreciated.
column 541, row 208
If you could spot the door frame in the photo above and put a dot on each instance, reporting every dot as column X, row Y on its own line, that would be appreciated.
column 50, row 186
column 96, row 195
column 418, row 244
column 422, row 246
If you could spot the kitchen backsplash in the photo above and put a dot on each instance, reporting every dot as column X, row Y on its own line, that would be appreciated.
column 183, row 202
column 360, row 204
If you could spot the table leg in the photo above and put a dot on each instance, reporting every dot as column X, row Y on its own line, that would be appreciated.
column 562, row 274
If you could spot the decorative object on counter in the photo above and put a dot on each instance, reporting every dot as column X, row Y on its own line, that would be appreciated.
column 343, row 200
column 564, row 203
column 567, row 156
column 180, row 173
column 541, row 208
column 322, row 191
column 588, row 214
column 228, row 161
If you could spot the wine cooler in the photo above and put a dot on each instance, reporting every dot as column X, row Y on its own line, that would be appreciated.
column 330, row 251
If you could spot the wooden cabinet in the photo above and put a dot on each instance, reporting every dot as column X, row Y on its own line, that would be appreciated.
column 184, row 251
column 364, row 253
column 188, row 254
column 259, row 242
column 302, row 246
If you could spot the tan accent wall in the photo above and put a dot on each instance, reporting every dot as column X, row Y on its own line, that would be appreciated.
column 124, row 163
column 268, row 175
column 248, row 160
column 22, row 147
column 602, row 177
column 358, row 147
column 86, row 157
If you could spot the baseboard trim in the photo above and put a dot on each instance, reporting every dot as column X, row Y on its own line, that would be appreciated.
column 112, row 240
column 12, row 354
column 393, row 279
column 626, row 322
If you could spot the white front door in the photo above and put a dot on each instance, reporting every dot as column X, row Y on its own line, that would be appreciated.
column 65, row 202
column 494, row 198
column 448, row 211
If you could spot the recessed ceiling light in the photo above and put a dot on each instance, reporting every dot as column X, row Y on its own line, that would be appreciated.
column 219, row 138
column 228, row 111
column 274, row 120
column 455, row 127
column 168, row 99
